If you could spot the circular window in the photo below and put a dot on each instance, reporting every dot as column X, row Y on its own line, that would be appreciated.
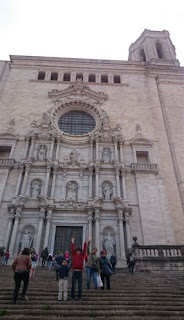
column 76, row 122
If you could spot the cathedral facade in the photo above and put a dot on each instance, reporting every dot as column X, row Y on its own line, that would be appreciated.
column 93, row 148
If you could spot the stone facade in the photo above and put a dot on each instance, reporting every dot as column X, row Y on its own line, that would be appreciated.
column 122, row 178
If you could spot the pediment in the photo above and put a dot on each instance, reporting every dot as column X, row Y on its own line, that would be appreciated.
column 78, row 90
column 141, row 142
column 8, row 136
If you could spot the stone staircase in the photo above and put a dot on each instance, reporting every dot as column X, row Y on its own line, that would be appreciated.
column 142, row 296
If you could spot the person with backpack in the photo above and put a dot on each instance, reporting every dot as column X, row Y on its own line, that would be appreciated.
column 92, row 265
column 44, row 256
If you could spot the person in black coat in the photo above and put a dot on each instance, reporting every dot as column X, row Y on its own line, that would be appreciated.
column 113, row 262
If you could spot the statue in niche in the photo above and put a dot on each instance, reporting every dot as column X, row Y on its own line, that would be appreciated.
column 106, row 155
column 35, row 188
column 107, row 192
column 26, row 240
column 109, row 243
column 71, row 191
column 42, row 151
column 73, row 157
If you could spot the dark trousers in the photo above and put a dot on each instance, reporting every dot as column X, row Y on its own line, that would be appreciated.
column 113, row 266
column 76, row 276
column 131, row 267
column 44, row 259
column 103, row 277
column 18, row 277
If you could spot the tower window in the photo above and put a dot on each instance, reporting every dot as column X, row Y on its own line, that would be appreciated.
column 41, row 75
column 116, row 79
column 66, row 77
column 92, row 78
column 79, row 76
column 142, row 55
column 54, row 76
column 104, row 79
column 159, row 50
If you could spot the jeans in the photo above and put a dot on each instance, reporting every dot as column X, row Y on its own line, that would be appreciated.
column 91, row 272
column 103, row 277
column 18, row 277
column 5, row 261
column 49, row 265
column 76, row 276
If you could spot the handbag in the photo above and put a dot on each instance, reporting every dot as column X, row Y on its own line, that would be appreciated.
column 99, row 281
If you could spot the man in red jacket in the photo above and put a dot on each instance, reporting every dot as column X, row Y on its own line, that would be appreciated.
column 78, row 256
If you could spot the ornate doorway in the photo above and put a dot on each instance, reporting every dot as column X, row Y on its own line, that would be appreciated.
column 63, row 238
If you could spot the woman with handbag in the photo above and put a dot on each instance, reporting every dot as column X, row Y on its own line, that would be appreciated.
column 92, row 265
column 106, row 269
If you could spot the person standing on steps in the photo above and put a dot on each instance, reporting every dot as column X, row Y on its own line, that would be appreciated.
column 6, row 257
column 44, row 256
column 113, row 262
column 21, row 267
column 78, row 256
column 106, row 269
column 63, row 281
column 92, row 265
column 131, row 263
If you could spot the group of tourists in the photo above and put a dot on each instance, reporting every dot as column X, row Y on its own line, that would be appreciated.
column 99, row 268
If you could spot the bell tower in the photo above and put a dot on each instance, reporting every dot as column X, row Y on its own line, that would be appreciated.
column 153, row 47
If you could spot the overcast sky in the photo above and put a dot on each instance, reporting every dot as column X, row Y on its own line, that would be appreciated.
column 96, row 29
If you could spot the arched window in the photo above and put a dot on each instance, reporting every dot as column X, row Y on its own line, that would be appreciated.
column 159, row 50
column 142, row 55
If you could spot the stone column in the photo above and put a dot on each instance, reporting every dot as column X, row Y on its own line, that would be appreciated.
column 63, row 193
column 91, row 150
column 97, row 229
column 45, row 192
column 121, row 235
column 14, row 232
column 54, row 181
column 96, row 182
column 121, row 150
column 124, row 186
column 117, row 182
column 21, row 168
column 90, row 219
column 80, row 185
column 97, row 149
column 26, row 147
column 57, row 149
column 127, row 226
column 48, row 218
column 32, row 146
column 90, row 181
column 40, row 228
column 9, row 227
column 25, row 179
column 51, row 148
column 115, row 150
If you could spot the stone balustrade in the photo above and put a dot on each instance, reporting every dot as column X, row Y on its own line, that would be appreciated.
column 6, row 162
column 159, row 257
column 144, row 167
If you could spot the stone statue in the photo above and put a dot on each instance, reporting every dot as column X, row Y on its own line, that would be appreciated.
column 42, row 152
column 71, row 191
column 107, row 192
column 109, row 244
column 26, row 240
column 35, row 189
column 73, row 157
column 106, row 155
